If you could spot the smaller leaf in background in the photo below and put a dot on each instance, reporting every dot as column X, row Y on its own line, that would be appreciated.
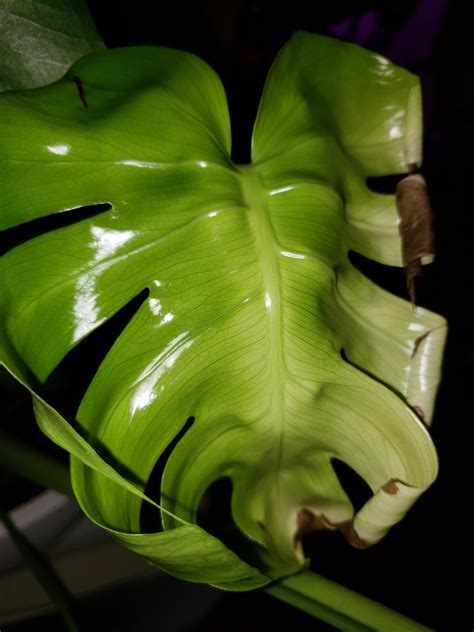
column 40, row 40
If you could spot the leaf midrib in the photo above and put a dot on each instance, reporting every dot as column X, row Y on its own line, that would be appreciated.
column 256, row 198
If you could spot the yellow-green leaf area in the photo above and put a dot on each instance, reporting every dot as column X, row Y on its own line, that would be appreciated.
column 251, row 296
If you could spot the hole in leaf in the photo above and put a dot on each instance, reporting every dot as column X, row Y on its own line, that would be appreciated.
column 385, row 184
column 13, row 237
column 215, row 516
column 150, row 517
column 67, row 384
column 112, row 459
column 369, row 374
column 390, row 278
column 354, row 485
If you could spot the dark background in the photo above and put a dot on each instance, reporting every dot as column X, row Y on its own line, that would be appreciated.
column 419, row 568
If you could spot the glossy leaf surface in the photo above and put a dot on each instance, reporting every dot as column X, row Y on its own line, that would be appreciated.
column 251, row 296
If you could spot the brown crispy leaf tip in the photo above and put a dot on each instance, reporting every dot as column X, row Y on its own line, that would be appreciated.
column 308, row 522
column 416, row 227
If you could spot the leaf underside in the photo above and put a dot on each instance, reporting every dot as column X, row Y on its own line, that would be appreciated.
column 251, row 296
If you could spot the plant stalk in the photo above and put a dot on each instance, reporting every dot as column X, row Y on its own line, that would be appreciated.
column 339, row 606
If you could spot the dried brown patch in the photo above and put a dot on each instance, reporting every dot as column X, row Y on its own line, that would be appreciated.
column 420, row 412
column 390, row 487
column 308, row 522
column 351, row 535
column 416, row 227
column 418, row 341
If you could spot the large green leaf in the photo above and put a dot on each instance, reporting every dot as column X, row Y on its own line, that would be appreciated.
column 251, row 296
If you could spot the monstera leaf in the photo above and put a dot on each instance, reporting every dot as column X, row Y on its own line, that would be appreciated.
column 251, row 296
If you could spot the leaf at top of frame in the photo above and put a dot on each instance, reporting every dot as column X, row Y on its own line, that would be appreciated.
column 40, row 39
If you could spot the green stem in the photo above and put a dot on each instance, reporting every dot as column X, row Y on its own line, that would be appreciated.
column 340, row 606
column 44, row 573
column 30, row 463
